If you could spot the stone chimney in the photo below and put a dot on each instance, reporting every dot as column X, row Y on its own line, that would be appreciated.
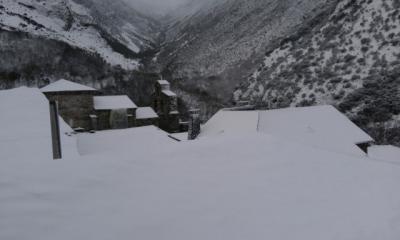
column 194, row 124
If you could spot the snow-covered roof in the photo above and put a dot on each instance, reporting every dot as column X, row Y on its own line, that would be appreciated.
column 319, row 125
column 322, row 126
column 63, row 85
column 25, row 127
column 169, row 93
column 163, row 82
column 113, row 102
column 231, row 122
column 145, row 113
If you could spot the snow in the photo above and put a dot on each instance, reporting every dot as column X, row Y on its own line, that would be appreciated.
column 125, row 140
column 226, row 121
column 52, row 16
column 113, row 102
column 183, row 136
column 139, row 184
column 145, row 113
column 385, row 153
column 169, row 93
column 63, row 85
column 318, row 126
column 322, row 126
column 163, row 82
column 25, row 127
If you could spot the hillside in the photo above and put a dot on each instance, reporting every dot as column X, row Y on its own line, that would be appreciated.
column 100, row 45
column 274, row 53
column 108, row 28
column 210, row 49
column 350, row 58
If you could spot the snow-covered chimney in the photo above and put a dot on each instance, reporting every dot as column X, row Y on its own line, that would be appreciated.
column 194, row 124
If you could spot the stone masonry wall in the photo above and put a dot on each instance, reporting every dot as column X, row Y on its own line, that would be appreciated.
column 74, row 108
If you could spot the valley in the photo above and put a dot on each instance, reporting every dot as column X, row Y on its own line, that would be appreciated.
column 272, row 54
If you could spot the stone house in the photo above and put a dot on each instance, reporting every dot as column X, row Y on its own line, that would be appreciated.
column 113, row 112
column 166, row 106
column 75, row 102
column 83, row 108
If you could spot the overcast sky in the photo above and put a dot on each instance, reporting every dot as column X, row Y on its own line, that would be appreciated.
column 158, row 6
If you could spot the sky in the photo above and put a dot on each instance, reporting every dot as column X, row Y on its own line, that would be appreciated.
column 156, row 6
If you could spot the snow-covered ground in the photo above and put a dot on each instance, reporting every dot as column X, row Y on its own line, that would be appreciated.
column 385, row 153
column 25, row 127
column 139, row 184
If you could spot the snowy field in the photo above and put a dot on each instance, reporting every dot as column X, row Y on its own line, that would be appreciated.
column 140, row 184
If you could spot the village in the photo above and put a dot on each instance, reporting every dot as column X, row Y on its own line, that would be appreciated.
column 85, row 110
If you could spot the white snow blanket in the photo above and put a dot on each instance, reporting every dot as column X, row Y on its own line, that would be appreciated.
column 320, row 126
column 385, row 153
column 25, row 127
column 230, row 187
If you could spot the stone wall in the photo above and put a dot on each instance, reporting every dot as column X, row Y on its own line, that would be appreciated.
column 103, row 118
column 74, row 107
column 194, row 124
column 166, row 107
column 104, row 123
column 147, row 122
column 132, row 121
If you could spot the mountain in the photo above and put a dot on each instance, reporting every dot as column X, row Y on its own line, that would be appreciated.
column 108, row 28
column 290, row 53
column 349, row 58
column 95, row 42
column 273, row 53
column 213, row 47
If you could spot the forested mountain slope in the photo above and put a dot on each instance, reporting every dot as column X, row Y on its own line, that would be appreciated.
column 351, row 60
column 95, row 42
column 211, row 49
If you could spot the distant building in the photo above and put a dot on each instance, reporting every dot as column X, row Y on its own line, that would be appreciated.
column 82, row 108
column 166, row 106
